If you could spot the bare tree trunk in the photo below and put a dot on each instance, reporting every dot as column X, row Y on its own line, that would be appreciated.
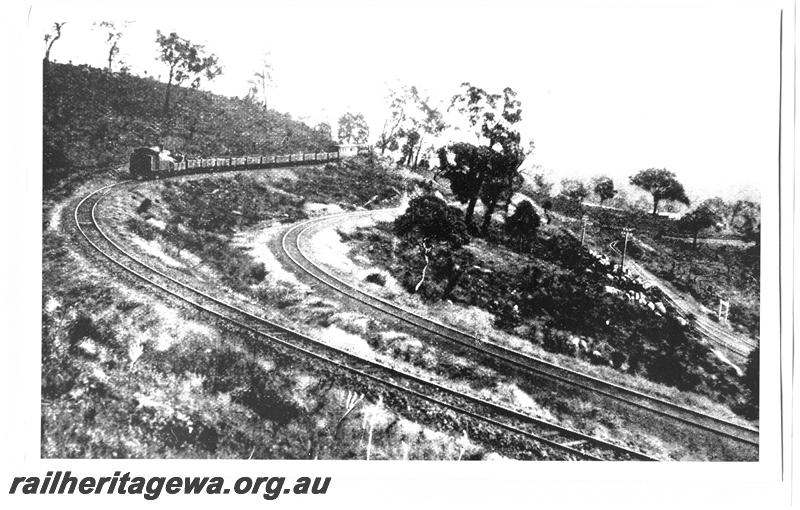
column 470, row 210
column 419, row 149
column 169, row 90
column 384, row 138
column 655, row 205
column 111, row 55
column 424, row 269
column 473, row 201
column 264, row 88
column 487, row 217
column 53, row 40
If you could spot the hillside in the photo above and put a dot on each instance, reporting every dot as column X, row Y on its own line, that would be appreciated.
column 93, row 118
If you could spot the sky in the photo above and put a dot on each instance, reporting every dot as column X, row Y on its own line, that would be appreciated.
column 606, row 87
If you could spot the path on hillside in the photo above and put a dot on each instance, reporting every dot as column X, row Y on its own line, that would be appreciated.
column 729, row 343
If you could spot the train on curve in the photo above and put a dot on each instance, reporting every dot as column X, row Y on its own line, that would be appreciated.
column 152, row 163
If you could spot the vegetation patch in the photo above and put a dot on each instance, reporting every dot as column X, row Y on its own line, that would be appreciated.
column 556, row 294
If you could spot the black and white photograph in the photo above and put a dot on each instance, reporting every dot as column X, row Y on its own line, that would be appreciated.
column 534, row 236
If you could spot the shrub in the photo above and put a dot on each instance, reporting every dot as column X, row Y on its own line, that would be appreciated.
column 522, row 225
column 144, row 206
column 376, row 278
column 257, row 271
column 429, row 218
column 141, row 228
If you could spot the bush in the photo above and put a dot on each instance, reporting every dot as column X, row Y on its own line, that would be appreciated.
column 522, row 225
column 141, row 228
column 257, row 271
column 430, row 218
column 376, row 278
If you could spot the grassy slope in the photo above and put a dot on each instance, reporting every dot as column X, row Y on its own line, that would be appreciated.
column 124, row 376
column 708, row 273
column 198, row 201
column 128, row 376
column 552, row 296
column 92, row 120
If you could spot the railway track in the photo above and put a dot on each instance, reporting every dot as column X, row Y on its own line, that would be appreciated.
column 708, row 328
column 573, row 444
column 292, row 246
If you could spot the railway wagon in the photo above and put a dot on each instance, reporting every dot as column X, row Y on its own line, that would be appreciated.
column 151, row 162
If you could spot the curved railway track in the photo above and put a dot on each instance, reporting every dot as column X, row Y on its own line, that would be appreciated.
column 572, row 443
column 708, row 328
column 292, row 247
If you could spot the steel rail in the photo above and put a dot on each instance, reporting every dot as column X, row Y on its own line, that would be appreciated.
column 291, row 337
column 292, row 247
column 719, row 336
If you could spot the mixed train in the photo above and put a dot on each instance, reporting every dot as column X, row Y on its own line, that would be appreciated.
column 152, row 163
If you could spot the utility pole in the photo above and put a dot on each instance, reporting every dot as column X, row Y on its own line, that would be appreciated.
column 627, row 232
column 584, row 222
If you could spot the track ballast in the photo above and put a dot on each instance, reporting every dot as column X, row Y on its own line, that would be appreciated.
column 573, row 444
column 292, row 247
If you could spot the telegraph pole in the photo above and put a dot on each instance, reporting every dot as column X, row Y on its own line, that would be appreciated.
column 584, row 222
column 627, row 232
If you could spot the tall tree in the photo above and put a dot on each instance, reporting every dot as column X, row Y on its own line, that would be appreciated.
column 466, row 173
column 261, row 81
column 542, row 186
column 185, row 61
column 412, row 137
column 661, row 184
column 415, row 118
column 353, row 128
column 113, row 35
column 429, row 125
column 324, row 130
column 701, row 218
column 574, row 190
column 746, row 220
column 604, row 188
column 489, row 172
column 522, row 225
column 392, row 125
column 490, row 116
column 51, row 38
column 502, row 180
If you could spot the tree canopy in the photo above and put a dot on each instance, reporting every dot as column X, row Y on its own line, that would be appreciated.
column 574, row 190
column 261, row 81
column 491, row 116
column 522, row 225
column 113, row 36
column 661, row 184
column 746, row 220
column 479, row 172
column 604, row 188
column 353, row 128
column 487, row 172
column 701, row 218
column 185, row 61
column 414, row 122
column 430, row 219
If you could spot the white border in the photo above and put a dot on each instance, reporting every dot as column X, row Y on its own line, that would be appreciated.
column 755, row 485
